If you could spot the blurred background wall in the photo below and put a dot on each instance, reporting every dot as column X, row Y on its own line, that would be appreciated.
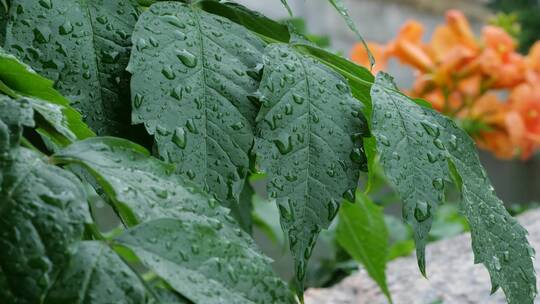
column 516, row 182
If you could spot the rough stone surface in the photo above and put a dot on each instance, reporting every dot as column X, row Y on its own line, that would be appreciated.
column 453, row 278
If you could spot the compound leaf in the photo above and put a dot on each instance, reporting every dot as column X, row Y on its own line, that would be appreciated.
column 21, row 81
column 84, row 47
column 141, row 187
column 96, row 274
column 201, row 262
column 42, row 213
column 311, row 159
column 201, row 117
column 402, row 128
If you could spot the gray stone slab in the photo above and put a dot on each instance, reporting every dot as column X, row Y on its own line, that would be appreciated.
column 453, row 278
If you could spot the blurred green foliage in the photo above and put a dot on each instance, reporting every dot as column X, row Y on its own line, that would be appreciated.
column 527, row 14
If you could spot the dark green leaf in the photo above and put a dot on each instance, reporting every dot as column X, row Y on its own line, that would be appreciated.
column 344, row 12
column 201, row 262
column 141, row 187
column 304, row 144
column 22, row 81
column 14, row 115
column 204, row 67
column 42, row 213
column 83, row 46
column 268, row 29
column 95, row 274
column 402, row 129
column 362, row 233
column 3, row 22
column 359, row 78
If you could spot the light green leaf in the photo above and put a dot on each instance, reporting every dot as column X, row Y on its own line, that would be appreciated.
column 420, row 151
column 83, row 46
column 193, row 255
column 311, row 159
column 42, row 213
column 141, row 187
column 22, row 81
column 344, row 12
column 95, row 274
column 362, row 233
column 201, row 117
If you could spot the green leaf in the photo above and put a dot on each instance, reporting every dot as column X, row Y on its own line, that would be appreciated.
column 141, row 187
column 201, row 117
column 42, row 213
column 3, row 22
column 193, row 255
column 22, row 81
column 305, row 145
column 402, row 129
column 95, row 274
column 145, row 190
column 362, row 233
column 266, row 218
column 13, row 117
column 84, row 47
column 344, row 12
column 358, row 77
column 289, row 10
column 268, row 29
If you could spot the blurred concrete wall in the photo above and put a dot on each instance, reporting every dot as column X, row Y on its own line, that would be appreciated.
column 380, row 20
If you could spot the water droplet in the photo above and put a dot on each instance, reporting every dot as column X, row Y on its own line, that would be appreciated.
column 237, row 126
column 422, row 211
column 298, row 99
column 187, row 58
column 349, row 195
column 357, row 156
column 284, row 148
column 431, row 157
column 102, row 19
column 341, row 87
column 191, row 126
column 288, row 109
column 497, row 263
column 66, row 28
column 430, row 129
column 177, row 93
column 285, row 213
column 174, row 21
column 384, row 140
column 168, row 73
column 439, row 144
column 45, row 3
column 332, row 208
column 40, row 36
column 138, row 100
column 438, row 183
column 190, row 174
column 453, row 142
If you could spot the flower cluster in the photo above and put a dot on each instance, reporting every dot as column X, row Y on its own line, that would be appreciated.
column 482, row 82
